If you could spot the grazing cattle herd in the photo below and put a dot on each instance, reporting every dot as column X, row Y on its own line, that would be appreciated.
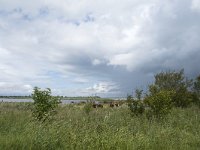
column 111, row 104
column 98, row 104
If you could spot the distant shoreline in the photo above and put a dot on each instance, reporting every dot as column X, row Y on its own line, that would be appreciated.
column 62, row 98
column 64, row 101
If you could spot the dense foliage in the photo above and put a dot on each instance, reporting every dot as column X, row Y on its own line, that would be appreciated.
column 159, row 104
column 196, row 90
column 135, row 104
column 177, row 82
column 44, row 104
column 170, row 89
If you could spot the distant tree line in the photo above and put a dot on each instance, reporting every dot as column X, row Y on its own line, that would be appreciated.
column 16, row 97
column 62, row 97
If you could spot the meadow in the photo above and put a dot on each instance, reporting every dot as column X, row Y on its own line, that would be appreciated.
column 100, row 128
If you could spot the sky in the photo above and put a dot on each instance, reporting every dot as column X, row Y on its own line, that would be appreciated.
column 95, row 47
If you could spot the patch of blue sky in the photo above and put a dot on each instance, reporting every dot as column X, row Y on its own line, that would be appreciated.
column 65, row 20
column 24, row 15
column 74, row 22
column 89, row 18
column 44, row 11
column 69, row 21
column 41, row 13
column 18, row 11
column 27, row 17
column 4, row 13
column 13, row 11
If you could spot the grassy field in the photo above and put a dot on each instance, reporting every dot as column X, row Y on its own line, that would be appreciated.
column 102, row 128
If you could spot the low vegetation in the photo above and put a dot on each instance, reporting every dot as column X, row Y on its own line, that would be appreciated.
column 167, row 117
column 107, row 128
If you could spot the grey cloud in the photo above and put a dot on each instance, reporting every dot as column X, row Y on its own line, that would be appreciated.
column 125, row 45
column 15, row 89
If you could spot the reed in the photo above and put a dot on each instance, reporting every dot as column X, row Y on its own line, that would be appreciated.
column 101, row 128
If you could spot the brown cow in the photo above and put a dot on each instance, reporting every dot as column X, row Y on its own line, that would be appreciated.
column 114, row 104
column 97, row 105
column 117, row 104
column 100, row 105
column 94, row 105
column 111, row 104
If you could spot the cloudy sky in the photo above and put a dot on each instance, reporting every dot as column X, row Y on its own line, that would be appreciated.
column 83, row 47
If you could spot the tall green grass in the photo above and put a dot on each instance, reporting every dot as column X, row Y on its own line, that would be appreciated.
column 107, row 128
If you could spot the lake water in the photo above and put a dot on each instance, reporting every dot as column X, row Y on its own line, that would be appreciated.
column 30, row 100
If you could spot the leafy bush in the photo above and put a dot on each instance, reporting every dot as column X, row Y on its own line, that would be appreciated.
column 138, row 94
column 173, row 81
column 171, row 88
column 44, row 103
column 136, row 105
column 159, row 104
column 196, row 89
column 182, row 98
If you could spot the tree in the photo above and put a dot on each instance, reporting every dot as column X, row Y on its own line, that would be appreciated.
column 136, row 105
column 44, row 103
column 138, row 94
column 173, row 81
column 196, row 89
column 159, row 104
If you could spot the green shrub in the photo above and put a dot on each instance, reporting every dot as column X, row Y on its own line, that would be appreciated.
column 182, row 98
column 138, row 94
column 196, row 91
column 173, row 81
column 159, row 104
column 44, row 103
column 136, row 105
